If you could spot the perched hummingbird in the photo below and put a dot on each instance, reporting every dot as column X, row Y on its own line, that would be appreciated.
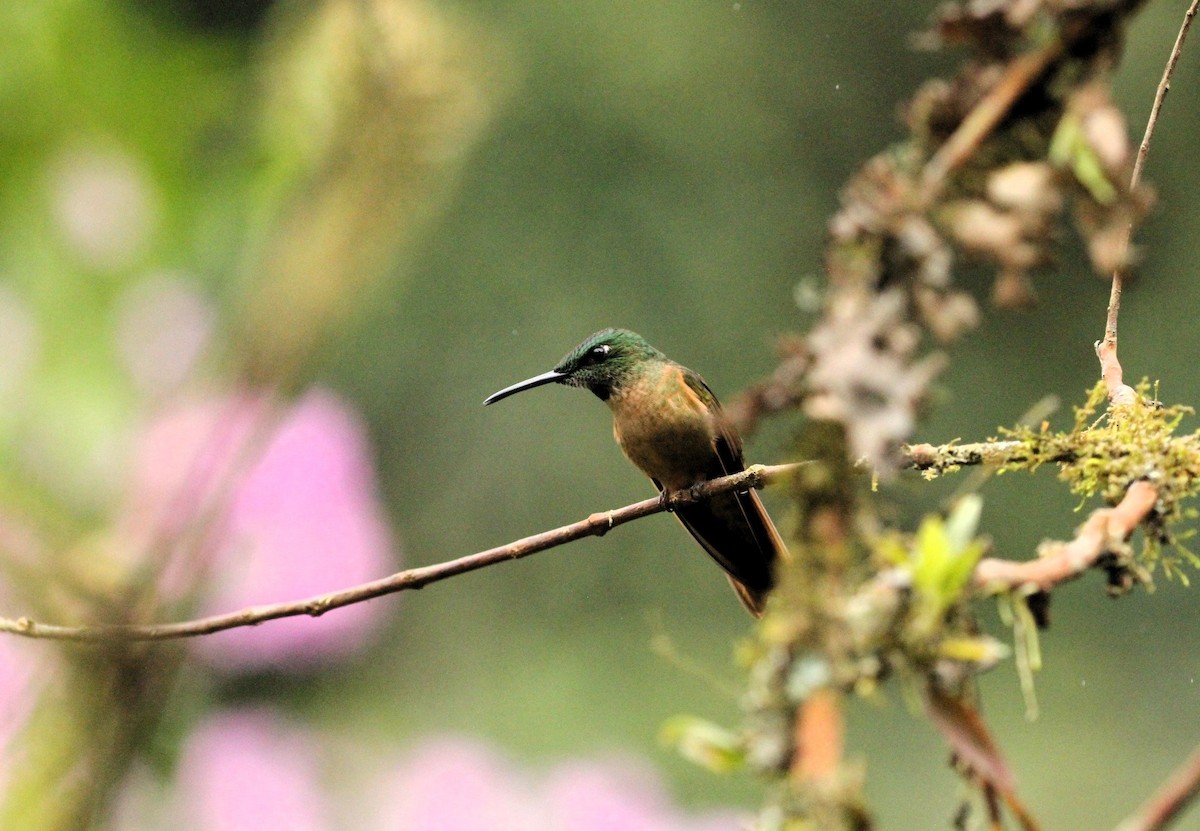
column 668, row 423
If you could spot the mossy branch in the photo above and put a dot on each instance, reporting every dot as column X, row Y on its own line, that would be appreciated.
column 946, row 458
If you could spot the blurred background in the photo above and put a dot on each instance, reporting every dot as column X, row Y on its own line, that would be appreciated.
column 261, row 262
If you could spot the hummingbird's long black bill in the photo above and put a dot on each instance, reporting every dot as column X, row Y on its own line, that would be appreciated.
column 528, row 384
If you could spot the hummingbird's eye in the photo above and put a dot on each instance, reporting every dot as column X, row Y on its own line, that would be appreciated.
column 597, row 354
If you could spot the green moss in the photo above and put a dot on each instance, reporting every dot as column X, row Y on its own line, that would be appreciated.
column 1104, row 452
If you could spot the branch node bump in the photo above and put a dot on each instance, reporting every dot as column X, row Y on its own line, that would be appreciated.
column 601, row 522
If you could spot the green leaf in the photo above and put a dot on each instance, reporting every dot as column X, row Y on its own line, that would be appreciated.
column 1069, row 148
column 963, row 522
column 944, row 555
column 984, row 651
column 703, row 743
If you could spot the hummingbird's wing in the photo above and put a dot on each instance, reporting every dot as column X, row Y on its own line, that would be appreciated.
column 733, row 528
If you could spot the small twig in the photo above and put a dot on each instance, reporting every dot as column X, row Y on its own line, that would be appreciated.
column 595, row 525
column 1106, row 349
column 1018, row 76
column 1103, row 532
column 1160, row 95
column 1172, row 797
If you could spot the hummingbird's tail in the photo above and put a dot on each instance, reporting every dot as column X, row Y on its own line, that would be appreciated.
column 736, row 531
column 754, row 601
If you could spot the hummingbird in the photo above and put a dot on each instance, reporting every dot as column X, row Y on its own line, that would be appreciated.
column 669, row 423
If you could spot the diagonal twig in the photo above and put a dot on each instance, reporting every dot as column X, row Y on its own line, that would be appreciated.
column 595, row 525
column 1106, row 349
column 1020, row 73
column 1172, row 797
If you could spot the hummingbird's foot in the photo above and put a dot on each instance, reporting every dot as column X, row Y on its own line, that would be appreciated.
column 688, row 496
column 696, row 493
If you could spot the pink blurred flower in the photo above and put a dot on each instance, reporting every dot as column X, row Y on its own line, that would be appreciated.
column 455, row 785
column 298, row 514
column 612, row 796
column 458, row 785
column 250, row 771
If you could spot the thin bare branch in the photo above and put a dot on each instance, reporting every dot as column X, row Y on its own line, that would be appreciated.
column 1172, row 797
column 595, row 525
column 1106, row 349
column 1160, row 95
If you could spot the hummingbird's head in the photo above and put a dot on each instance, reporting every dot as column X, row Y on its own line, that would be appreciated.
column 605, row 361
column 602, row 363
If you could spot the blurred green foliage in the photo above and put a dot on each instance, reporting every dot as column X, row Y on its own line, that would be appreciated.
column 667, row 167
